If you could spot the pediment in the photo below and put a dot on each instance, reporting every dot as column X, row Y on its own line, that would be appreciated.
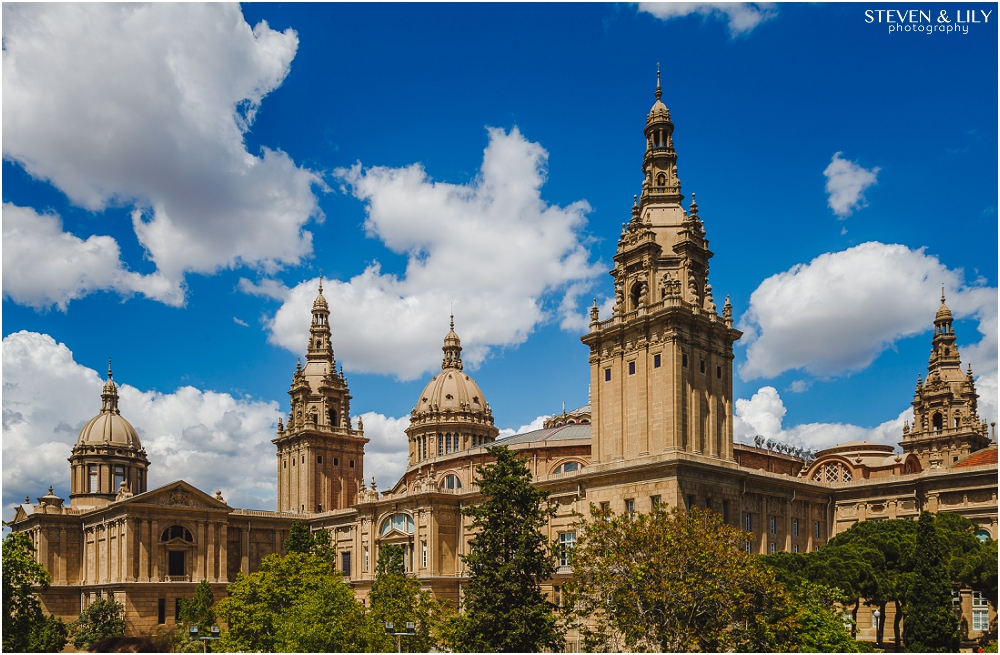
column 176, row 494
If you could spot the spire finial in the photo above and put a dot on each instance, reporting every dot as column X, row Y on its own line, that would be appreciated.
column 659, row 93
column 321, row 282
column 109, row 368
column 451, row 322
column 942, row 294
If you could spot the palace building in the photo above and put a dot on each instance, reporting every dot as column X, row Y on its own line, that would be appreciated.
column 658, row 430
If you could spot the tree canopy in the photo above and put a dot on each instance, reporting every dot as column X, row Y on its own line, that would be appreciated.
column 931, row 624
column 105, row 617
column 509, row 557
column 677, row 580
column 25, row 628
column 294, row 603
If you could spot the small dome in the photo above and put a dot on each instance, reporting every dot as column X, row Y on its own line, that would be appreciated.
column 943, row 313
column 109, row 427
column 320, row 300
column 658, row 110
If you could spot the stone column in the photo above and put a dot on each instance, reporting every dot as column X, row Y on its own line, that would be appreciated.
column 223, row 553
column 145, row 544
column 63, row 555
column 211, row 574
column 199, row 566
column 245, row 555
column 154, row 550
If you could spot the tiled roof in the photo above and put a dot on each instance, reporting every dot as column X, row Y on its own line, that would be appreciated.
column 561, row 433
column 985, row 456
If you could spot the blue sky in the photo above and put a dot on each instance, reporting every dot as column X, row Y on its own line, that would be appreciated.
column 176, row 177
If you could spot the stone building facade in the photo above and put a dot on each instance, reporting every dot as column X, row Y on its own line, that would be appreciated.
column 658, row 430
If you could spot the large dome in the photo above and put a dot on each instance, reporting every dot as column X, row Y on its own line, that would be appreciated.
column 451, row 389
column 109, row 427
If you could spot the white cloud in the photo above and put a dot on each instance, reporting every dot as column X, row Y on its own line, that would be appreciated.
column 764, row 413
column 837, row 313
column 147, row 106
column 846, row 182
column 387, row 450
column 213, row 440
column 742, row 17
column 45, row 266
column 492, row 249
column 535, row 424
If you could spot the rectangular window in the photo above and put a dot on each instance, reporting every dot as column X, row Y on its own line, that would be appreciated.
column 816, row 529
column 748, row 522
column 345, row 563
column 175, row 563
column 748, row 547
column 605, row 505
column 689, row 502
column 336, row 461
column 795, row 548
column 557, row 594
column 607, row 375
column 980, row 612
column 423, row 554
column 351, row 463
column 319, row 509
column 795, row 527
column 725, row 511
column 365, row 559
column 92, row 479
column 284, row 464
column 771, row 548
column 684, row 360
column 293, row 462
column 440, row 444
column 701, row 366
column 161, row 611
column 654, row 502
column 319, row 459
column 177, row 609
column 656, row 361
column 630, row 506
column 631, row 368
column 718, row 372
column 119, row 477
column 567, row 541
column 772, row 525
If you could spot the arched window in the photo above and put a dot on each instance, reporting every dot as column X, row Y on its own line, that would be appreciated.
column 661, row 180
column 451, row 481
column 938, row 421
column 176, row 532
column 400, row 522
column 333, row 417
column 568, row 467
column 636, row 294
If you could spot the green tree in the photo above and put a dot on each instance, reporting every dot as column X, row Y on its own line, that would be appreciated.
column 509, row 558
column 397, row 598
column 102, row 618
column 818, row 620
column 197, row 610
column 294, row 603
column 300, row 538
column 674, row 581
column 25, row 628
column 931, row 624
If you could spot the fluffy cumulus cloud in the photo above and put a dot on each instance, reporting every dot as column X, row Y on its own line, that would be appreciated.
column 387, row 450
column 45, row 266
column 493, row 249
column 742, row 17
column 763, row 414
column 835, row 314
column 213, row 440
column 846, row 182
column 146, row 106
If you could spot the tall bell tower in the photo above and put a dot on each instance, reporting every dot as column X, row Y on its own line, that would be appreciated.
column 320, row 455
column 661, row 365
column 946, row 426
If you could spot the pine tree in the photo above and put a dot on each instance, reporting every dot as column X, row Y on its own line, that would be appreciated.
column 504, row 609
column 931, row 624
column 300, row 539
column 197, row 610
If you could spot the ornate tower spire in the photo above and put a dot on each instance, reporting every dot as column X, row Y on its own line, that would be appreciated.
column 109, row 396
column 452, row 348
column 319, row 331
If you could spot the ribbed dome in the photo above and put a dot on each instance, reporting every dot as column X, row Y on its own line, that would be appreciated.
column 451, row 389
column 658, row 110
column 320, row 300
column 943, row 313
column 109, row 427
